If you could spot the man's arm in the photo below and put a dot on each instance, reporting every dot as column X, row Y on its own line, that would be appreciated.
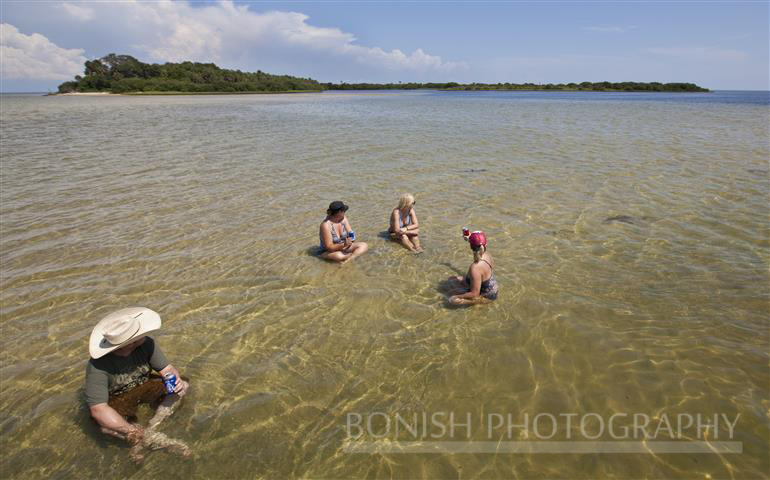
column 109, row 419
column 159, row 362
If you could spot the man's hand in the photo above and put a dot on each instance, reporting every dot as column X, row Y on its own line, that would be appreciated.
column 135, row 434
column 181, row 386
column 113, row 423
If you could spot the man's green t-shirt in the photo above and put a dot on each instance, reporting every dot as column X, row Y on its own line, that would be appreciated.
column 113, row 374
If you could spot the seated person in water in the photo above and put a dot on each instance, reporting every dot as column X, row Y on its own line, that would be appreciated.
column 479, row 283
column 404, row 227
column 336, row 244
column 119, row 377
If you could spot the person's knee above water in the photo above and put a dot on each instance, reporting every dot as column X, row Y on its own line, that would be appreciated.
column 119, row 375
column 404, row 227
column 480, row 280
column 337, row 237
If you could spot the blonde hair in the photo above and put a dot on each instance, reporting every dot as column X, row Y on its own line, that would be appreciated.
column 405, row 201
column 478, row 253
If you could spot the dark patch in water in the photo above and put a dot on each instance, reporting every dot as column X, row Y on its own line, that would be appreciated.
column 757, row 171
column 620, row 218
column 564, row 233
column 474, row 170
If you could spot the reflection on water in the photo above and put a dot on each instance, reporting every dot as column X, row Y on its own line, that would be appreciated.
column 631, row 241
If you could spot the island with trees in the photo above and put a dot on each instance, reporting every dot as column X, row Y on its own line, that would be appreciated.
column 124, row 74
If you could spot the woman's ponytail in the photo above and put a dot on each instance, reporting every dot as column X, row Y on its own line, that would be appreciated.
column 478, row 253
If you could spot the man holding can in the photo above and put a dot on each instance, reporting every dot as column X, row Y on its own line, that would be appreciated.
column 120, row 376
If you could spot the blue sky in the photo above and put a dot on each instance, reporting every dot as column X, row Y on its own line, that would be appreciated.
column 719, row 45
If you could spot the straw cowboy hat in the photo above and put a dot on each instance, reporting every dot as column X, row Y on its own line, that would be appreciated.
column 121, row 328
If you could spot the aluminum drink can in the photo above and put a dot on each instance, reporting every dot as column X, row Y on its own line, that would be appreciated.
column 352, row 235
column 169, row 380
column 466, row 231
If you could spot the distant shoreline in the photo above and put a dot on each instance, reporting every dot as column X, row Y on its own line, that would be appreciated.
column 159, row 93
column 49, row 93
column 576, row 90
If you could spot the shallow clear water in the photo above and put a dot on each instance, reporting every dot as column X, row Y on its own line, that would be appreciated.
column 206, row 209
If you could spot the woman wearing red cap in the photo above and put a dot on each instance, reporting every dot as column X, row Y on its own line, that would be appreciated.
column 480, row 280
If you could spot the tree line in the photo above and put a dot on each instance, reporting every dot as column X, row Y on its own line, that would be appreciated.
column 584, row 86
column 125, row 74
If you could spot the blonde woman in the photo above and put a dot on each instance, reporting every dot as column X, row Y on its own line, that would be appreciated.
column 480, row 280
column 404, row 227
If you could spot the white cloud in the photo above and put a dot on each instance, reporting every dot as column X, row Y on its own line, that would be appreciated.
column 609, row 29
column 235, row 35
column 700, row 53
column 78, row 12
column 230, row 35
column 35, row 57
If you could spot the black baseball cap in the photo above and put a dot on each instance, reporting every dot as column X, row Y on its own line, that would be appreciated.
column 336, row 206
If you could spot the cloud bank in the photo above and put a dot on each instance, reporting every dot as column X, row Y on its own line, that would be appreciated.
column 224, row 32
column 35, row 57
column 230, row 35
column 234, row 36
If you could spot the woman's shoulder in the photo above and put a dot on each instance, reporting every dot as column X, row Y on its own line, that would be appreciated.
column 479, row 266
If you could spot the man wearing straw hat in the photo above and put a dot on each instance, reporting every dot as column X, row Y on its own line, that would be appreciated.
column 119, row 378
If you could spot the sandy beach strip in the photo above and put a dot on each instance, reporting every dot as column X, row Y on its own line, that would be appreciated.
column 86, row 94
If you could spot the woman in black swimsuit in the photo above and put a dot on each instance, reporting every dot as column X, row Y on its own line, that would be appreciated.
column 480, row 280
column 336, row 244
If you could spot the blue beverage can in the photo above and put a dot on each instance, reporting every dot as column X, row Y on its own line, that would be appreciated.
column 352, row 235
column 169, row 380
